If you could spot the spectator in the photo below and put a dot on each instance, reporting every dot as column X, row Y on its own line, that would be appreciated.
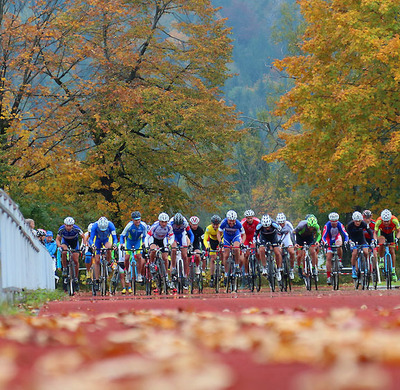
column 50, row 243
column 31, row 224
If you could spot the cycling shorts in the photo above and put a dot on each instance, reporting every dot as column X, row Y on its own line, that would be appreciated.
column 358, row 246
column 132, row 245
column 308, row 240
column 99, row 244
column 213, row 246
column 389, row 237
column 228, row 241
column 73, row 244
column 161, row 243
column 88, row 257
column 287, row 241
column 181, row 239
column 273, row 240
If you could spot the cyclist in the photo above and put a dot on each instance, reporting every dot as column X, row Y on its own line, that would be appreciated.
column 183, row 236
column 333, row 233
column 308, row 232
column 134, row 234
column 198, row 234
column 387, row 229
column 231, row 233
column 249, row 223
column 100, row 237
column 286, row 237
column 88, row 255
column 68, row 237
column 267, row 233
column 160, row 235
column 367, row 216
column 210, row 242
column 356, row 229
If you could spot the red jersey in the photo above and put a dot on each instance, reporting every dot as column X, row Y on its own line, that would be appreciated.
column 249, row 229
column 371, row 225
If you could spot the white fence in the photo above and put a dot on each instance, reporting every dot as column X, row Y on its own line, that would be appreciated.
column 24, row 262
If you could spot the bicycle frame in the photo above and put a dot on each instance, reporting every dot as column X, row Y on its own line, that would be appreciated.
column 193, row 276
column 233, row 272
column 307, row 270
column 388, row 265
column 254, row 270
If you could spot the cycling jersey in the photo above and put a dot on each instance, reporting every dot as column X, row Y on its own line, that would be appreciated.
column 249, row 229
column 159, row 233
column 231, row 233
column 306, row 234
column 73, row 234
column 198, row 234
column 369, row 237
column 179, row 231
column 102, row 236
column 356, row 233
column 134, row 234
column 286, row 234
column 331, row 233
column 210, row 233
column 268, row 234
column 388, row 229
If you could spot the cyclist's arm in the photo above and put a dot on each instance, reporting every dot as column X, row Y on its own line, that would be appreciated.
column 58, row 240
column 205, row 239
column 219, row 235
column 190, row 234
column 344, row 232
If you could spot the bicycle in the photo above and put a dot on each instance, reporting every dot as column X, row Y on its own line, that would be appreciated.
column 104, row 271
column 271, row 265
column 131, row 273
column 179, row 278
column 335, row 267
column 387, row 265
column 233, row 272
column 195, row 273
column 254, row 270
column 308, row 275
column 363, row 269
column 158, row 273
column 374, row 272
column 115, row 276
column 71, row 285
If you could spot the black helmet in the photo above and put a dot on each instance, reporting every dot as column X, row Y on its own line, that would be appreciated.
column 367, row 213
column 135, row 215
column 216, row 219
column 178, row 219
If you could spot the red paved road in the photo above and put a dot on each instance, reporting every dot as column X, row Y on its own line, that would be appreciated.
column 375, row 309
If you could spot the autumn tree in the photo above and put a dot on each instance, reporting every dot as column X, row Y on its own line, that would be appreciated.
column 122, row 105
column 342, row 136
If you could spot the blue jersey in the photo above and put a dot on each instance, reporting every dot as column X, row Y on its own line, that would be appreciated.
column 179, row 229
column 71, row 235
column 331, row 232
column 102, row 235
column 134, row 233
column 229, row 231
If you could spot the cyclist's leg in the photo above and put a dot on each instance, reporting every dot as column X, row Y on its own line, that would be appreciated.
column 278, row 256
column 354, row 261
column 329, row 256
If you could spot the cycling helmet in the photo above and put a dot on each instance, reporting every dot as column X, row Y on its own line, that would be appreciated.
column 89, row 228
column 281, row 218
column 178, row 219
column 69, row 221
column 194, row 220
column 216, row 219
column 231, row 215
column 102, row 223
column 163, row 217
column 136, row 215
column 312, row 222
column 266, row 220
column 367, row 213
column 333, row 217
column 41, row 233
column 386, row 215
column 357, row 216
column 249, row 213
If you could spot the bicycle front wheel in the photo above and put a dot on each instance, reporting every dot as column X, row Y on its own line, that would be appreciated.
column 271, row 274
column 388, row 271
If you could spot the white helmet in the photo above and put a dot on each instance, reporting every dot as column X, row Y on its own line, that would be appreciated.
column 249, row 213
column 333, row 217
column 163, row 217
column 89, row 228
column 281, row 218
column 69, row 221
column 357, row 216
column 386, row 215
column 231, row 215
column 266, row 220
column 194, row 220
column 102, row 223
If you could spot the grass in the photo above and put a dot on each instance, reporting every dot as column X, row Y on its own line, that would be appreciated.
column 28, row 302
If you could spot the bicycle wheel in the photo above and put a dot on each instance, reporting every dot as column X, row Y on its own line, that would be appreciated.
column 133, row 277
column 228, row 278
column 375, row 274
column 163, row 274
column 308, row 272
column 200, row 281
column 103, row 281
column 191, row 277
column 335, row 273
column 388, row 270
column 284, row 274
column 147, row 279
column 180, row 277
column 217, row 276
column 252, row 272
column 271, row 273
column 71, row 277
column 258, row 276
column 358, row 273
